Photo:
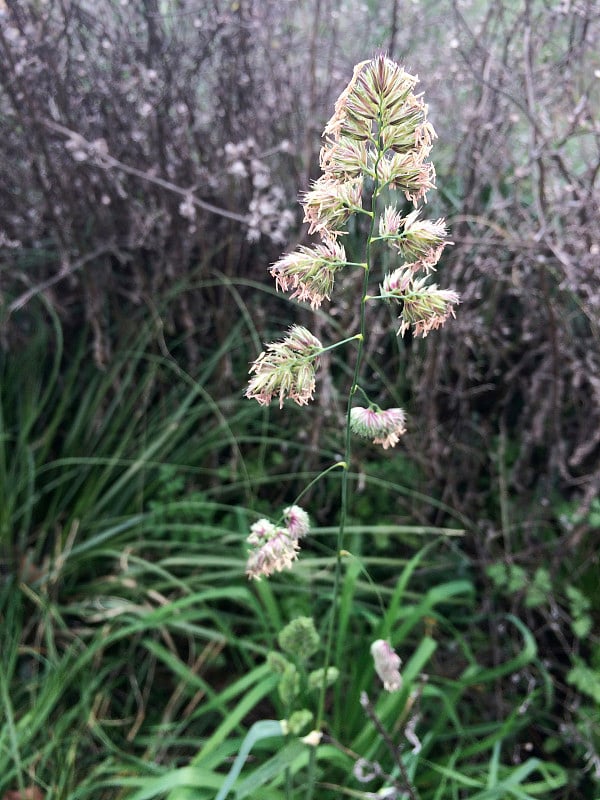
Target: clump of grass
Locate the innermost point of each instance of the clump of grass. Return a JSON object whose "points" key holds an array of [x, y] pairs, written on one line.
{"points": [[120, 551], [378, 139]]}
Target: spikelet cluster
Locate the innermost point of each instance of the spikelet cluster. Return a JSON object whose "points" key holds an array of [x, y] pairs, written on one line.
{"points": [[379, 138], [387, 665], [286, 369], [276, 547]]}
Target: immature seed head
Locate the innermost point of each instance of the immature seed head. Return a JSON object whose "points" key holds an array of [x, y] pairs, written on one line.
{"points": [[310, 271], [286, 369], [387, 665], [382, 427]]}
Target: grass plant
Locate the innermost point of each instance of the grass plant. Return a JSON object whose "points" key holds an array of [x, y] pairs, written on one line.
{"points": [[139, 662], [134, 649], [378, 139]]}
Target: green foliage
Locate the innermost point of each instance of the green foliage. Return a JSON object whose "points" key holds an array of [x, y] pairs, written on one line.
{"points": [[514, 578], [586, 679], [131, 634], [579, 606], [300, 639]]}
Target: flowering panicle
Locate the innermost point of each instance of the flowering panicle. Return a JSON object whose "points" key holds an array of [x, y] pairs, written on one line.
{"points": [[382, 427], [346, 159], [286, 369], [276, 548], [329, 204], [424, 307], [421, 242], [387, 665], [406, 172], [379, 120], [310, 271], [379, 138]]}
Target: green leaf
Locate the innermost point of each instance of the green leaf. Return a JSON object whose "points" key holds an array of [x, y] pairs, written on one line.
{"points": [[582, 626], [265, 729], [271, 769], [585, 679], [539, 590]]}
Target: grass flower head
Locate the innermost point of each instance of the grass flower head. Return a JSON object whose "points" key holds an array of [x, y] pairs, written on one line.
{"points": [[420, 242], [276, 548], [387, 665], [330, 203], [286, 369], [425, 307], [276, 554], [382, 427], [310, 271]]}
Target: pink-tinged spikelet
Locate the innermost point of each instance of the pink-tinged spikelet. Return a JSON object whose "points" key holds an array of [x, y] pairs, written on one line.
{"points": [[276, 548], [286, 369], [387, 665], [382, 427], [275, 555], [310, 271], [296, 521]]}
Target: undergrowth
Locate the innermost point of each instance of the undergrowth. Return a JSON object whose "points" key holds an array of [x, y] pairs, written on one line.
{"points": [[136, 659]]}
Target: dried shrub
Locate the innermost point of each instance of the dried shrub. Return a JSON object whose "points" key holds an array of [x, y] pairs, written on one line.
{"points": [[516, 380], [138, 144], [144, 148]]}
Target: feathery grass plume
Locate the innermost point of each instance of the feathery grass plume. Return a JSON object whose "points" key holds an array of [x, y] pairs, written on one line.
{"points": [[420, 242], [299, 639], [286, 369], [424, 307], [310, 271], [387, 665], [382, 427], [276, 548], [330, 203]]}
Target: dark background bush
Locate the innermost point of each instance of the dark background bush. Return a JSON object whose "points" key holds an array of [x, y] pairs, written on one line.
{"points": [[151, 156], [149, 146]]}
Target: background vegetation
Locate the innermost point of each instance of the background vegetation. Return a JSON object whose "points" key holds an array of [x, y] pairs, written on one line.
{"points": [[152, 153]]}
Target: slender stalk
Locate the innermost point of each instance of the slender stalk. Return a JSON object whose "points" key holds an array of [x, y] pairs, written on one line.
{"points": [[340, 343], [360, 337], [394, 751], [337, 465], [377, 122]]}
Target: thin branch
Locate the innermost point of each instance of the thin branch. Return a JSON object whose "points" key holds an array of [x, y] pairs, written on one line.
{"points": [[106, 161], [24, 298], [394, 751]]}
